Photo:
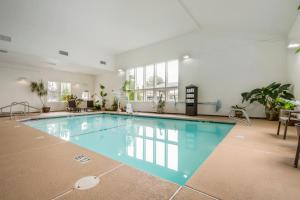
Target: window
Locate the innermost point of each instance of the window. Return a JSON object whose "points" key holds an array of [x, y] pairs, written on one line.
{"points": [[149, 76], [160, 75], [148, 82], [139, 78], [65, 89], [53, 92], [57, 90], [130, 78], [173, 73], [85, 95]]}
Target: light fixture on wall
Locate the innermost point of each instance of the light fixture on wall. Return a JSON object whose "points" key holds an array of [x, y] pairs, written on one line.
{"points": [[186, 57], [121, 71], [293, 45], [22, 80]]}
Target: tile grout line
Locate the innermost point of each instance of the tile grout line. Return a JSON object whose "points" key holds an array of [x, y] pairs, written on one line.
{"points": [[111, 170], [172, 197], [101, 175], [63, 193], [203, 193]]}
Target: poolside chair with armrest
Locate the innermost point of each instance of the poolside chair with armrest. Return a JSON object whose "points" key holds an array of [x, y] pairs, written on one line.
{"points": [[287, 117], [298, 146], [90, 105], [72, 107]]}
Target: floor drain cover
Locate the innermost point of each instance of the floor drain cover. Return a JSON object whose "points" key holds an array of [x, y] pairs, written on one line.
{"points": [[87, 182]]}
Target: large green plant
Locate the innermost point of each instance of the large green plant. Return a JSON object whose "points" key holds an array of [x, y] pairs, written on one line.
{"points": [[267, 96], [103, 94], [41, 91], [68, 97], [161, 104]]}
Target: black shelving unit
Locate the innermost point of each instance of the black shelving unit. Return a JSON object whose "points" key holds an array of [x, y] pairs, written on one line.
{"points": [[191, 100]]}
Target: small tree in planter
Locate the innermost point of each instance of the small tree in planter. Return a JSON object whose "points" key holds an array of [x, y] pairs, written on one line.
{"points": [[267, 97], [161, 104], [102, 94], [42, 92]]}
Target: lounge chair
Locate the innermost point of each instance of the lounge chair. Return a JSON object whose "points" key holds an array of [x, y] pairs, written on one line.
{"points": [[89, 105], [287, 117], [298, 146], [72, 107]]}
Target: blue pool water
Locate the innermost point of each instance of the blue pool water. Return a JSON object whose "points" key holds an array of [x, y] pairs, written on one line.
{"points": [[168, 148]]}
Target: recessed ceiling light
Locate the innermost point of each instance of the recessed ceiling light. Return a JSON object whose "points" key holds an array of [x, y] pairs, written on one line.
{"points": [[3, 51], [293, 45], [120, 70]]}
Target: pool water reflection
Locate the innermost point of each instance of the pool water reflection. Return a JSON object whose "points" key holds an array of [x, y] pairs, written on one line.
{"points": [[170, 149]]}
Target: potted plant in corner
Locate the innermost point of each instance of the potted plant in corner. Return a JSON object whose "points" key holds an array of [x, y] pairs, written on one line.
{"points": [[267, 96], [42, 92], [102, 94], [161, 104]]}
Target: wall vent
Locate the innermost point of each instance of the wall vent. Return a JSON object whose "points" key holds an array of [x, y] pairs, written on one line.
{"points": [[5, 38], [102, 62], [3, 51], [64, 53]]}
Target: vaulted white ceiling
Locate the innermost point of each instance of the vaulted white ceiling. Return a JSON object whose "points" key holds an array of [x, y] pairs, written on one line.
{"points": [[94, 30]]}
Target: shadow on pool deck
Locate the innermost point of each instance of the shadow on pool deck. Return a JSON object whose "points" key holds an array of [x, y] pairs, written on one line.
{"points": [[250, 163]]}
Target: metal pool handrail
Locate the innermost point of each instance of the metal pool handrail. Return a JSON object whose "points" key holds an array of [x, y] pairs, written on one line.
{"points": [[24, 103]]}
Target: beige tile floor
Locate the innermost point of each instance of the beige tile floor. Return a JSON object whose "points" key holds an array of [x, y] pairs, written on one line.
{"points": [[250, 163]]}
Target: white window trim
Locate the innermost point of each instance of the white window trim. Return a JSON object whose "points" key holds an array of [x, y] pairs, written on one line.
{"points": [[154, 89]]}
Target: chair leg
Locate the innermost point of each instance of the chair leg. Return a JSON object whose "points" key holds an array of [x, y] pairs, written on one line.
{"points": [[285, 130], [278, 130], [297, 154]]}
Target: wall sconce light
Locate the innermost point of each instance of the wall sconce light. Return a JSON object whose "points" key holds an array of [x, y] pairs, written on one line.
{"points": [[186, 57], [121, 72], [293, 45], [22, 80]]}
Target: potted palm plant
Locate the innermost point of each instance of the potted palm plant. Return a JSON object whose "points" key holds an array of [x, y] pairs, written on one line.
{"points": [[267, 96], [161, 104], [42, 92]]}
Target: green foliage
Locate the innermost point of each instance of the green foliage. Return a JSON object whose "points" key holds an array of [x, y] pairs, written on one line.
{"points": [[69, 97], [161, 104], [97, 105], [114, 105], [41, 91], [285, 104], [267, 95], [128, 87], [103, 94]]}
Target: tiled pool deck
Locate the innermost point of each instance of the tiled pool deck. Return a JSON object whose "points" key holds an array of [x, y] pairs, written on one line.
{"points": [[252, 162]]}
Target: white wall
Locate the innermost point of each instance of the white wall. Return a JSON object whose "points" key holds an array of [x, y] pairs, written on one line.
{"points": [[223, 65], [12, 91], [294, 59], [294, 72]]}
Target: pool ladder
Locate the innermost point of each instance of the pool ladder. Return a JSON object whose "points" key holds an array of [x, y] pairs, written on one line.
{"points": [[26, 110]]}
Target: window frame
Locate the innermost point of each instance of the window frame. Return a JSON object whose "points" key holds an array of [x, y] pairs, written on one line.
{"points": [[58, 90], [154, 88]]}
